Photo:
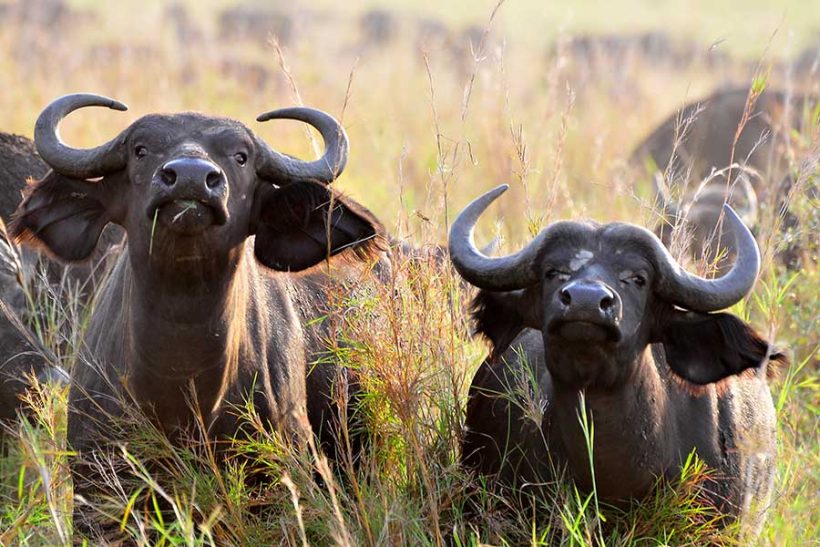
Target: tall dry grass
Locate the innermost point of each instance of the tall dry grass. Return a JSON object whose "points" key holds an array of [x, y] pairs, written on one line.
{"points": [[429, 131]]}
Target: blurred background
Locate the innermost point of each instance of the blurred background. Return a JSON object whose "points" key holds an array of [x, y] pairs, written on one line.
{"points": [[441, 99]]}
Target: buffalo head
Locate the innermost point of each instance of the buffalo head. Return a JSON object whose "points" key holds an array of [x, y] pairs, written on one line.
{"points": [[600, 294], [189, 189]]}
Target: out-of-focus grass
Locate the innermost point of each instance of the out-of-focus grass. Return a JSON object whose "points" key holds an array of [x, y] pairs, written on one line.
{"points": [[740, 27], [427, 135]]}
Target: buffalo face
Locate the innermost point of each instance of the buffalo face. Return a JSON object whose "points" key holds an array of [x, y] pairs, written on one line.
{"points": [[593, 304], [189, 189], [600, 294]]}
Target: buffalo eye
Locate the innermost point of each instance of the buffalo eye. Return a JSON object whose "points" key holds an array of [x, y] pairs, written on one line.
{"points": [[140, 151], [241, 158], [639, 280], [553, 273]]}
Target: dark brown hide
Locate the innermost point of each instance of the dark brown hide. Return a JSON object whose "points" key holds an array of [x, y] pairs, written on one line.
{"points": [[706, 132], [659, 381], [20, 356], [696, 222], [19, 162], [203, 305]]}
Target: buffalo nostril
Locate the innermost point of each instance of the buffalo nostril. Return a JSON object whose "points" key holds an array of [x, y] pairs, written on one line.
{"points": [[607, 303], [566, 298], [214, 179], [168, 176]]}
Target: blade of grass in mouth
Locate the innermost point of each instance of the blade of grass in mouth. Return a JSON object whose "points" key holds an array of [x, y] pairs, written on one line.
{"points": [[153, 227], [188, 206]]}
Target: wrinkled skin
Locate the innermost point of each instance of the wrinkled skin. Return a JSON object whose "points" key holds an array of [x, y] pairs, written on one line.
{"points": [[707, 143], [201, 296], [659, 381]]}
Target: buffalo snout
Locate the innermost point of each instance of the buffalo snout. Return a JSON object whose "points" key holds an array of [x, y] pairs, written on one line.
{"points": [[589, 296], [190, 195], [195, 173], [591, 305]]}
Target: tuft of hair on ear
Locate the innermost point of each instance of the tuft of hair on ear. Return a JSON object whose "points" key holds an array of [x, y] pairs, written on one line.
{"points": [[745, 345], [496, 319], [20, 233], [312, 211], [61, 216], [778, 359], [365, 249], [705, 349]]}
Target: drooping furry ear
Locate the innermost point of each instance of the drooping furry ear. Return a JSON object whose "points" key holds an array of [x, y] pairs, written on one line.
{"points": [[64, 215], [301, 224], [704, 348], [501, 316]]}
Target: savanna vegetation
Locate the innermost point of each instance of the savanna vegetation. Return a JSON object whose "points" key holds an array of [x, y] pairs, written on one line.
{"points": [[487, 94]]}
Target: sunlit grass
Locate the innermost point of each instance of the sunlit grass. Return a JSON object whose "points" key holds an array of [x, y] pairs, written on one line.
{"points": [[427, 135]]}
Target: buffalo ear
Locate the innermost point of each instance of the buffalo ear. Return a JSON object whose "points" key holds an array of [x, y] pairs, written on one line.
{"points": [[501, 316], [65, 215], [704, 348], [300, 224]]}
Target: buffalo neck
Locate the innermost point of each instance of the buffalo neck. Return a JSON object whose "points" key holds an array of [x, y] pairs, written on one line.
{"points": [[186, 326], [632, 431]]}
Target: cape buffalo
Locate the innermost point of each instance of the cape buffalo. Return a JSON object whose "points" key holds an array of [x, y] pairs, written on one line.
{"points": [[699, 215], [605, 310], [378, 27], [689, 145], [203, 304]]}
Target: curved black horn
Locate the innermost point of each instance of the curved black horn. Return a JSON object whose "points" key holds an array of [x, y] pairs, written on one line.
{"points": [[673, 282], [504, 273], [326, 169], [74, 162], [696, 293]]}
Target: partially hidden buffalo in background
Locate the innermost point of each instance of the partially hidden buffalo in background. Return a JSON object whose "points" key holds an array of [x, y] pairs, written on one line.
{"points": [[201, 305], [732, 144], [604, 310], [21, 356], [19, 163]]}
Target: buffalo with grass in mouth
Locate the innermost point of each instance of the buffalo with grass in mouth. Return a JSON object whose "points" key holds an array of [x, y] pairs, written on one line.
{"points": [[200, 316], [188, 216]]}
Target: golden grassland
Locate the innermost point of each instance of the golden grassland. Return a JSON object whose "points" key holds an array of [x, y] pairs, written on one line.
{"points": [[429, 131]]}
